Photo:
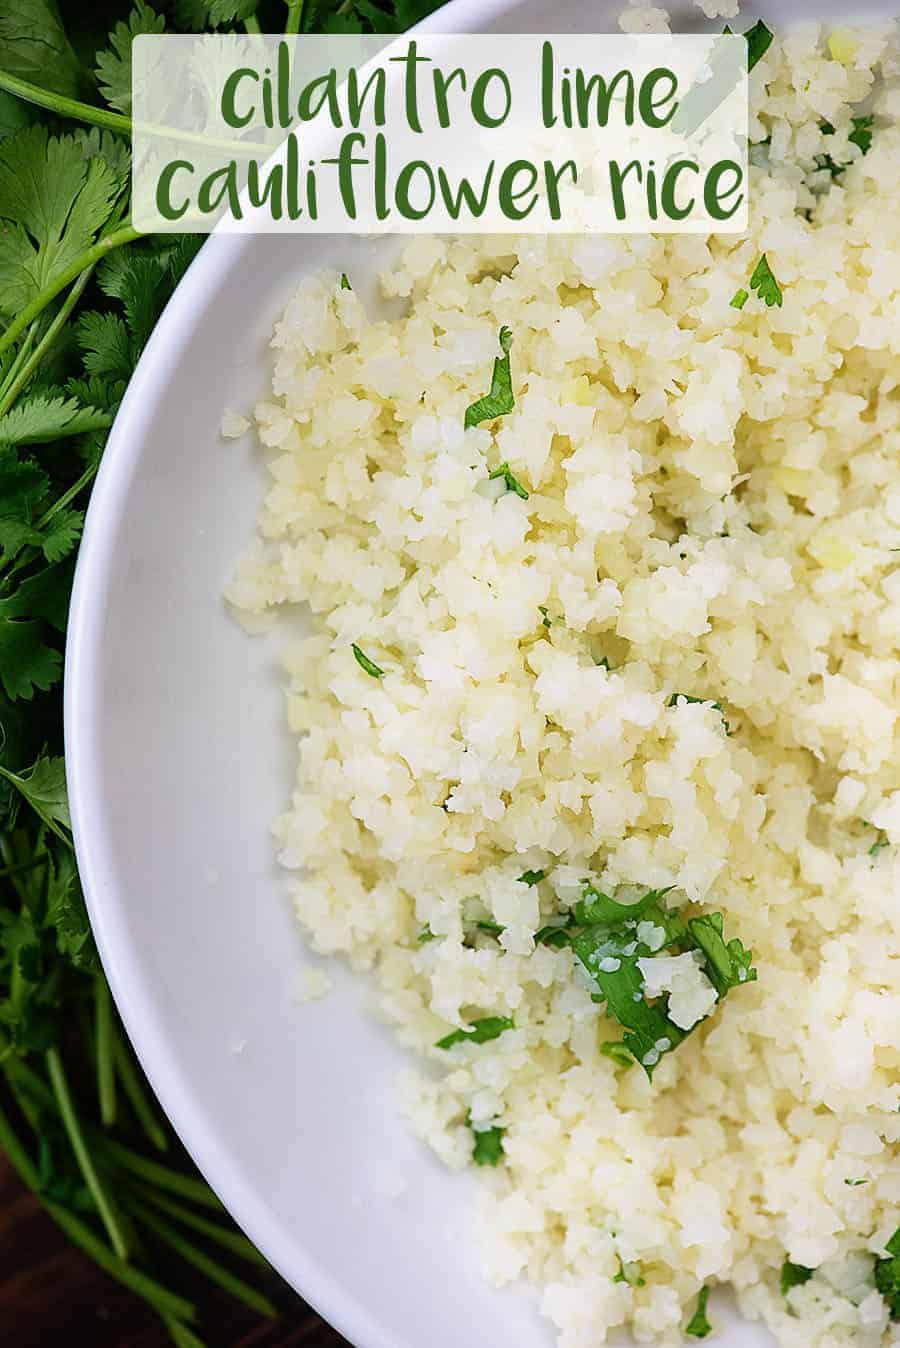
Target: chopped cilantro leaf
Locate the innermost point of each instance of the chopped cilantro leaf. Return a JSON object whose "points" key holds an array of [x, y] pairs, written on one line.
{"points": [[739, 298], [887, 1275], [615, 1049], [370, 667], [493, 928], [488, 1148], [345, 284], [698, 1326], [861, 135], [555, 934], [500, 399], [764, 283], [512, 482], [855, 1183], [479, 1032], [759, 39], [426, 935], [727, 966], [595, 908], [542, 608], [880, 843], [531, 877], [793, 1275]]}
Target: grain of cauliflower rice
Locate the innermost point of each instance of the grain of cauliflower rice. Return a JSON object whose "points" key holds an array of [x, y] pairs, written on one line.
{"points": [[708, 504]]}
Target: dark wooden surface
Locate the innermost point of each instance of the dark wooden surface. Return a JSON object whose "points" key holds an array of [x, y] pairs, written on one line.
{"points": [[51, 1296]]}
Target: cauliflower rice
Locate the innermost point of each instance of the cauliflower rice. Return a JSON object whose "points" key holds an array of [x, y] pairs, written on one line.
{"points": [[714, 509]]}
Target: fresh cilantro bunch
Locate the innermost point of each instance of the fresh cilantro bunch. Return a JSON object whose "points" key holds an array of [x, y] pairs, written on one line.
{"points": [[80, 293]]}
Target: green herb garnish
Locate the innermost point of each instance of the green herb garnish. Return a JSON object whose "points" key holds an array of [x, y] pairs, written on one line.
{"points": [[492, 928], [545, 620], [855, 1183], [629, 1273], [512, 482], [698, 1326], [426, 935], [616, 1050], [764, 283], [606, 941], [488, 1144], [531, 877], [500, 400], [479, 1032], [793, 1275], [374, 671], [739, 298], [345, 284], [887, 1275]]}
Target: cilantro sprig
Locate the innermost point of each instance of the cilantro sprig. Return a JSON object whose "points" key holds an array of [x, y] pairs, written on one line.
{"points": [[479, 1032], [764, 283]]}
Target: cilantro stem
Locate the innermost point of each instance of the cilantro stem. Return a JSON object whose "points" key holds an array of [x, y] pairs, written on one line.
{"points": [[103, 1046], [294, 18], [65, 107], [251, 23], [127, 234], [18, 361], [82, 1155], [211, 1268], [233, 1241], [24, 374], [195, 1190], [134, 1093], [81, 1234], [181, 1336], [69, 495]]}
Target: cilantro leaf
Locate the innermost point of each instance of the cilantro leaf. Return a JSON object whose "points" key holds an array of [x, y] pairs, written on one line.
{"points": [[34, 46], [698, 1326], [629, 1273], [23, 486], [500, 399], [794, 1275], [764, 283], [727, 966], [55, 201], [739, 298], [887, 1275], [42, 595], [44, 788], [374, 671], [611, 960], [861, 135], [759, 40], [59, 536], [106, 345], [488, 1145], [345, 284], [40, 418], [479, 1032], [595, 908], [26, 662], [67, 915], [426, 935], [114, 64], [512, 482], [531, 877]]}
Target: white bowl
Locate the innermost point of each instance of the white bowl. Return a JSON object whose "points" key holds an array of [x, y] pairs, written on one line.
{"points": [[177, 762]]}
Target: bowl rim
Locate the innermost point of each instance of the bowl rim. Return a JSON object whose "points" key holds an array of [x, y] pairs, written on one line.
{"points": [[82, 714]]}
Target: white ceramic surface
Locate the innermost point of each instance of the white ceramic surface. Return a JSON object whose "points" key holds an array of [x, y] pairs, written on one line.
{"points": [[177, 761]]}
